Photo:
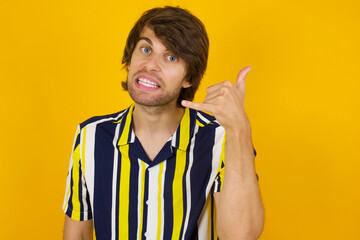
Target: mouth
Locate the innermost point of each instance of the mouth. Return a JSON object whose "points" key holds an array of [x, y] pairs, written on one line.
{"points": [[147, 83]]}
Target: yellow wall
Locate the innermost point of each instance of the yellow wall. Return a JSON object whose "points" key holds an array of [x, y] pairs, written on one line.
{"points": [[60, 63]]}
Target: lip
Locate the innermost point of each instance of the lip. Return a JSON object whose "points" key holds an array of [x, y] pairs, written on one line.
{"points": [[148, 77], [144, 87]]}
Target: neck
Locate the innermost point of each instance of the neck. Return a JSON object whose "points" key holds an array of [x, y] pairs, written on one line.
{"points": [[155, 121]]}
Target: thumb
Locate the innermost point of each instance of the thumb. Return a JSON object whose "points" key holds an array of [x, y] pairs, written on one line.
{"points": [[240, 83]]}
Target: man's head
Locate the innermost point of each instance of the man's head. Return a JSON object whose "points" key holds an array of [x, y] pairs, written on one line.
{"points": [[182, 34]]}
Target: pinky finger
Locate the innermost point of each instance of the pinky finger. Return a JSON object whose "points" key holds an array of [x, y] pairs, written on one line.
{"points": [[194, 105]]}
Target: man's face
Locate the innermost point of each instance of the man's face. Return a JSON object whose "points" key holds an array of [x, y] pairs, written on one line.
{"points": [[155, 75]]}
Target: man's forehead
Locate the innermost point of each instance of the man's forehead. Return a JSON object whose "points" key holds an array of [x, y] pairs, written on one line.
{"points": [[148, 35], [148, 32]]}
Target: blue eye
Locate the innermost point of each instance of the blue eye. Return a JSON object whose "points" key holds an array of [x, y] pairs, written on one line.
{"points": [[171, 58], [145, 50]]}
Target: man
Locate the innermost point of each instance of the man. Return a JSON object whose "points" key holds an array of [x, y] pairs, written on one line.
{"points": [[157, 169]]}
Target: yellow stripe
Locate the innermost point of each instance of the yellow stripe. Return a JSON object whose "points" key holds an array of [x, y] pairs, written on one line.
{"points": [[199, 123], [124, 179], [75, 193], [124, 192], [68, 190], [159, 200], [125, 133], [143, 169], [208, 209], [214, 220], [178, 207], [222, 159]]}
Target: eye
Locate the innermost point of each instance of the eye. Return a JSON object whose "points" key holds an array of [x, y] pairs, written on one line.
{"points": [[171, 58], [145, 50]]}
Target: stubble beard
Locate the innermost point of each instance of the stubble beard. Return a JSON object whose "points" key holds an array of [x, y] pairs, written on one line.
{"points": [[156, 104]]}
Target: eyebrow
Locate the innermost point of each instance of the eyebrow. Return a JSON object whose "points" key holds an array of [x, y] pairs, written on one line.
{"points": [[146, 39]]}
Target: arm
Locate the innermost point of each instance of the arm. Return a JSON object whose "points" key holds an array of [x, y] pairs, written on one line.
{"points": [[77, 230], [239, 208]]}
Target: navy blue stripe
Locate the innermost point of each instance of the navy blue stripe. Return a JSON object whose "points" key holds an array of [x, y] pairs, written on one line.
{"points": [[80, 194], [70, 206], [200, 174], [133, 197], [77, 141], [184, 194], [168, 197], [104, 158], [145, 206], [212, 218], [89, 205], [97, 118], [201, 120], [195, 234], [208, 117], [117, 196]]}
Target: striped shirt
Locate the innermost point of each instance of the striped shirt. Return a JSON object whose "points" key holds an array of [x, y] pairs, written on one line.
{"points": [[112, 181]]}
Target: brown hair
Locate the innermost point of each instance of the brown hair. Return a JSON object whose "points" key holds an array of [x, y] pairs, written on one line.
{"points": [[183, 34]]}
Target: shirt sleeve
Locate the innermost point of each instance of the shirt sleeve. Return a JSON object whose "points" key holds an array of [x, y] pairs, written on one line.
{"points": [[77, 201], [217, 186]]}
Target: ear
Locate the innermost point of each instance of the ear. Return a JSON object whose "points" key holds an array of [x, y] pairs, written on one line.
{"points": [[186, 84]]}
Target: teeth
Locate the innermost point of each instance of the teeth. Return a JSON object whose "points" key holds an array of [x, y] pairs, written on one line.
{"points": [[147, 83]]}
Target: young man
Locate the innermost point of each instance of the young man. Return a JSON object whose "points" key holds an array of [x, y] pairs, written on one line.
{"points": [[157, 169]]}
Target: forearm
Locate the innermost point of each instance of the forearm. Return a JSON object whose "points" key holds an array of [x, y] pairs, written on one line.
{"points": [[240, 210], [77, 230]]}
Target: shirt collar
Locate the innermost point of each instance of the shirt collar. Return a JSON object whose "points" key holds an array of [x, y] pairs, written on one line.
{"points": [[180, 139]]}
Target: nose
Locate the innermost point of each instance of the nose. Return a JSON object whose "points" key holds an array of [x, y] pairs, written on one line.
{"points": [[153, 63]]}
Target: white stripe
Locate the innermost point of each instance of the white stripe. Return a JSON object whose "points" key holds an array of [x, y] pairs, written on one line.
{"points": [[217, 149], [132, 139], [89, 159], [152, 202], [90, 153], [83, 189], [83, 193], [188, 184], [216, 185], [68, 178], [162, 201], [139, 198], [173, 140], [203, 222], [202, 117], [114, 181]]}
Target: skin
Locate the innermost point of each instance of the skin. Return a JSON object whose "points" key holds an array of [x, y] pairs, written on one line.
{"points": [[156, 117], [77, 230], [240, 213]]}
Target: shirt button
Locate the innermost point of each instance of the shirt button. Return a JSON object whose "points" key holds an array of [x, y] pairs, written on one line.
{"points": [[147, 202], [146, 234]]}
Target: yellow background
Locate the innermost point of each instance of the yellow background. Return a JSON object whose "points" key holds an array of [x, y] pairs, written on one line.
{"points": [[60, 63]]}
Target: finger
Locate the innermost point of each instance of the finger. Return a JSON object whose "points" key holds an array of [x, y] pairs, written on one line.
{"points": [[218, 86], [197, 106], [240, 83], [213, 94]]}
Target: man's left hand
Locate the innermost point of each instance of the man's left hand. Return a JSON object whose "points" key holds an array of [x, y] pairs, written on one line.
{"points": [[226, 102]]}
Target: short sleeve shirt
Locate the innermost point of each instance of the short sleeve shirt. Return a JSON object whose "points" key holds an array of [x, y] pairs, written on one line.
{"points": [[112, 181]]}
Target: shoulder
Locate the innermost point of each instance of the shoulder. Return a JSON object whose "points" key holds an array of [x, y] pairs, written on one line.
{"points": [[207, 124], [206, 120], [103, 119]]}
